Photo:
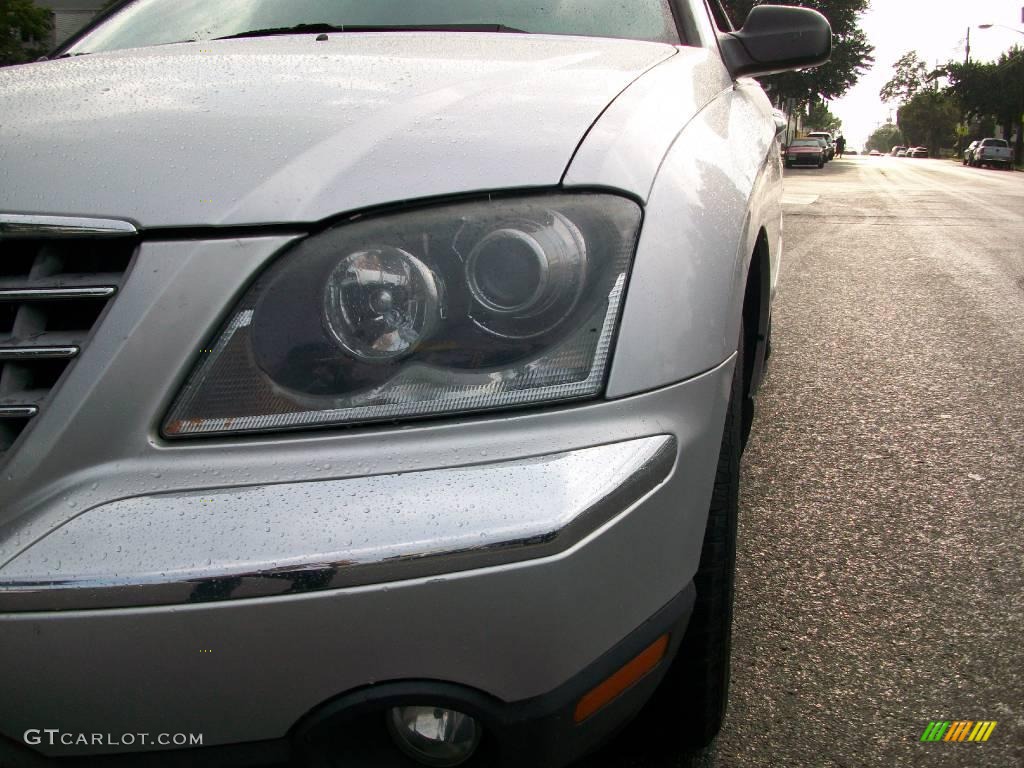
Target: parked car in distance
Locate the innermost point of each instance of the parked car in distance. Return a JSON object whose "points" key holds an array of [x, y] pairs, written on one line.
{"points": [[968, 157], [806, 152], [898, 151], [875, 153], [850, 152], [993, 153], [830, 145], [343, 346], [917, 152]]}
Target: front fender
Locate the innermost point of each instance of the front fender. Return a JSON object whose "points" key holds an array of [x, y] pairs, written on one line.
{"points": [[719, 185]]}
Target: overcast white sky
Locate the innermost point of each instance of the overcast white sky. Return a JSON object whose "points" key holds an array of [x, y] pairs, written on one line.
{"points": [[936, 29]]}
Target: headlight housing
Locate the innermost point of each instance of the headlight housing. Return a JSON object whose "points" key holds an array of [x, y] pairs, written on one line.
{"points": [[462, 307]]}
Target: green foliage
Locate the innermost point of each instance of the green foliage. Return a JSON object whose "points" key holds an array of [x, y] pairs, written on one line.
{"points": [[992, 93], [851, 52], [1010, 82], [24, 31], [885, 138], [821, 119], [930, 118], [975, 87], [910, 78], [979, 97]]}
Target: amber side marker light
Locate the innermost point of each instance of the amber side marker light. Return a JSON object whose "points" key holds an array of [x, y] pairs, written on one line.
{"points": [[617, 684]]}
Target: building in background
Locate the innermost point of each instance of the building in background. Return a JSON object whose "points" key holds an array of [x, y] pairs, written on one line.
{"points": [[69, 16]]}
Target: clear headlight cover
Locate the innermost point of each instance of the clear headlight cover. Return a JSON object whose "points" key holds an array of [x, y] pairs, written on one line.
{"points": [[464, 307]]}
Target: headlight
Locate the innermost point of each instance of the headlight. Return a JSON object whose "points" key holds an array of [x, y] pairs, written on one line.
{"points": [[458, 308], [381, 303]]}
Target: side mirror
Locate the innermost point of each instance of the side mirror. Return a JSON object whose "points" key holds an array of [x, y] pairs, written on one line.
{"points": [[781, 121], [777, 38]]}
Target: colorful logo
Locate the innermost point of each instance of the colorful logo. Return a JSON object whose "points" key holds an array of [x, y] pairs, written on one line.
{"points": [[958, 730]]}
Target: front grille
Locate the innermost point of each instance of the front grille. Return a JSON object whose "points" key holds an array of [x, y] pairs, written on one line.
{"points": [[52, 292]]}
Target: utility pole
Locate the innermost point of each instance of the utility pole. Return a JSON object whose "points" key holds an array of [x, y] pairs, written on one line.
{"points": [[967, 61]]}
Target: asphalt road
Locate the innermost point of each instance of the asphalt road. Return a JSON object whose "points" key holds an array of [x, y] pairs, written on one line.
{"points": [[881, 553]]}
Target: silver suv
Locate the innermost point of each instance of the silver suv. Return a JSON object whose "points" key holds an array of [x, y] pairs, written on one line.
{"points": [[381, 365]]}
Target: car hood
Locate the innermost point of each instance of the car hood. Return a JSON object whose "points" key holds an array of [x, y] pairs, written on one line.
{"points": [[291, 129]]}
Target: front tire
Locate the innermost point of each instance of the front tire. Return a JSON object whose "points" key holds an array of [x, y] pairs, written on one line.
{"points": [[690, 704]]}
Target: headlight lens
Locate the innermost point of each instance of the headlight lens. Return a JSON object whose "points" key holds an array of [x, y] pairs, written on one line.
{"points": [[381, 303], [456, 308]]}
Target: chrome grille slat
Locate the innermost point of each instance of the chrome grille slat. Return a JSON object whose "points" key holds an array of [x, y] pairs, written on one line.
{"points": [[56, 277], [37, 353], [69, 280], [18, 411], [45, 294], [30, 226]]}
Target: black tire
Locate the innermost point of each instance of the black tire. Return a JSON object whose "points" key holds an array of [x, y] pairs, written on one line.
{"points": [[821, 164], [690, 704]]}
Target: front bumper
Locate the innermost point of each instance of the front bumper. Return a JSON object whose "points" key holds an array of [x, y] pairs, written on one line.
{"points": [[294, 538], [599, 560], [804, 159], [349, 730]]}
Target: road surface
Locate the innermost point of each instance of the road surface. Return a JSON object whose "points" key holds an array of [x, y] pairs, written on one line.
{"points": [[881, 554]]}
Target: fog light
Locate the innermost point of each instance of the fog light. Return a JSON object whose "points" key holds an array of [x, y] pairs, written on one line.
{"points": [[433, 735]]}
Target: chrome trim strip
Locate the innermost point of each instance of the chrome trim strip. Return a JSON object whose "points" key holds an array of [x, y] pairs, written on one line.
{"points": [[23, 225], [43, 294], [18, 411], [37, 353], [547, 504]]}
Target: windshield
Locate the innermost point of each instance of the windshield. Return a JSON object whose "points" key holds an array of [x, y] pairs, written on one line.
{"points": [[806, 143], [994, 143], [156, 22]]}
